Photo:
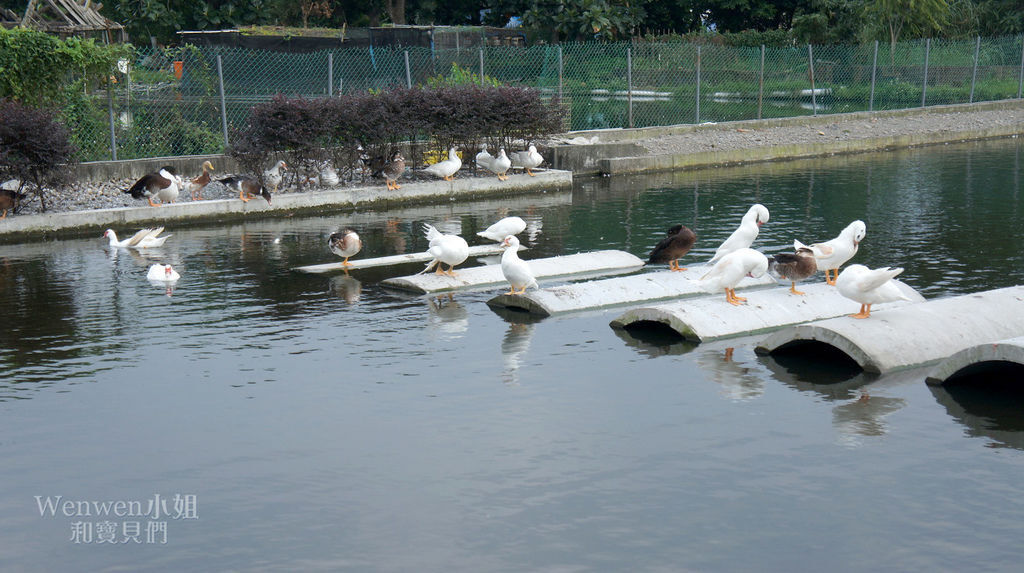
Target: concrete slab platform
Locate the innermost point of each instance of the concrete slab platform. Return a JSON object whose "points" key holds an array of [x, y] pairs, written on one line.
{"points": [[579, 265], [83, 222], [913, 335], [978, 358], [632, 290], [711, 317], [474, 251]]}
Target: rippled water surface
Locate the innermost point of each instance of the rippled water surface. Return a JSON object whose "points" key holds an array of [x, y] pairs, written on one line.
{"points": [[324, 422]]}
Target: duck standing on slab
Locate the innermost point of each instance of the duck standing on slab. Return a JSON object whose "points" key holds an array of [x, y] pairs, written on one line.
{"points": [[450, 249], [869, 286], [733, 268], [793, 267], [9, 200], [345, 244], [831, 255], [745, 234], [195, 187], [527, 160], [497, 165], [674, 246], [247, 187], [445, 169], [503, 228], [162, 184], [391, 171], [516, 271], [273, 176], [142, 239]]}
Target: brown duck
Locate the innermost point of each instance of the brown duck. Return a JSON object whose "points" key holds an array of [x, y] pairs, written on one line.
{"points": [[247, 187], [9, 200], [673, 247], [793, 266], [392, 170]]}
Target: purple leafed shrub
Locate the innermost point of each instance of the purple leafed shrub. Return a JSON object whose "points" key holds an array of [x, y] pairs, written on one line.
{"points": [[34, 148]]}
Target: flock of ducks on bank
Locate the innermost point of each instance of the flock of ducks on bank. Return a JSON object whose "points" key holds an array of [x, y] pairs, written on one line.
{"points": [[733, 260], [166, 185]]}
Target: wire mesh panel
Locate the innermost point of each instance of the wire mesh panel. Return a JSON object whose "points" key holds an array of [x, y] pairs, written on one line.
{"points": [[664, 84], [730, 82], [899, 79], [999, 68], [594, 84]]}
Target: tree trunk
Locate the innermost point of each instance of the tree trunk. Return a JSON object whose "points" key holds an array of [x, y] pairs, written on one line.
{"points": [[396, 10]]}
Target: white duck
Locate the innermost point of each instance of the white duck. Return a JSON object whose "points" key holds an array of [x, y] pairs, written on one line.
{"points": [[517, 271], [345, 244], [743, 236], [831, 255], [869, 286], [497, 165], [445, 169], [527, 160], [143, 239], [272, 177], [329, 176], [503, 228], [162, 273], [450, 249], [733, 268]]}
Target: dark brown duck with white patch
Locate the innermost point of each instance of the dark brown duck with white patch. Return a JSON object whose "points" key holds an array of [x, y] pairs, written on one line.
{"points": [[793, 267]]}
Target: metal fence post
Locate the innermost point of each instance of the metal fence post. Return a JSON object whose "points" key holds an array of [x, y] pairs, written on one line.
{"points": [[629, 84], [1020, 83], [974, 74], [408, 72], [698, 85], [810, 62], [874, 69], [110, 113], [560, 72], [924, 85], [760, 85], [481, 65], [330, 74], [223, 103]]}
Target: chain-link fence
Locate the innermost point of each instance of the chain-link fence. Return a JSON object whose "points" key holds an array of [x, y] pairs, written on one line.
{"points": [[188, 100]]}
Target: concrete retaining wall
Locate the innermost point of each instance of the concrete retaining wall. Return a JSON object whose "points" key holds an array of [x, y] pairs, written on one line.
{"points": [[976, 357], [915, 335], [86, 222]]}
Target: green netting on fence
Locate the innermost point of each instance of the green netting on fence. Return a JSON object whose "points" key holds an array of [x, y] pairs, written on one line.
{"points": [[169, 102]]}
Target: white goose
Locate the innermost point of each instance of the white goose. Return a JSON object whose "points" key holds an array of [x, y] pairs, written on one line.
{"points": [[733, 268], [162, 273], [869, 286], [445, 169], [516, 271], [831, 255], [450, 249], [143, 239], [503, 228], [527, 160], [743, 236]]}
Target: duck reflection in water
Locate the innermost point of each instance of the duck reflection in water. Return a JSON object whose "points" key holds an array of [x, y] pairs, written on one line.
{"points": [[447, 317], [735, 379], [514, 346], [346, 287], [864, 417]]}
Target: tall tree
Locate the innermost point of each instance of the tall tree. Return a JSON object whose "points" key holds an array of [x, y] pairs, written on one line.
{"points": [[899, 18]]}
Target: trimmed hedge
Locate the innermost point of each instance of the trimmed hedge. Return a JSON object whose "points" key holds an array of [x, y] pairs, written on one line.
{"points": [[306, 133]]}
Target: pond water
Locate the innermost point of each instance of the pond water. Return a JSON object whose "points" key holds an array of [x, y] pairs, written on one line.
{"points": [[302, 422]]}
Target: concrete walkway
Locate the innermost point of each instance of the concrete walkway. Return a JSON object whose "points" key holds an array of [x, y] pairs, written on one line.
{"points": [[87, 222], [914, 335], [979, 358], [711, 317]]}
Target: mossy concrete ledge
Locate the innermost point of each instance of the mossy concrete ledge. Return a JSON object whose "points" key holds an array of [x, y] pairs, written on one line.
{"points": [[914, 335], [1002, 355], [16, 227]]}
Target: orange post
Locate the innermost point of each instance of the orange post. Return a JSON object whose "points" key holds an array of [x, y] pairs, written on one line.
{"points": [[179, 67]]}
